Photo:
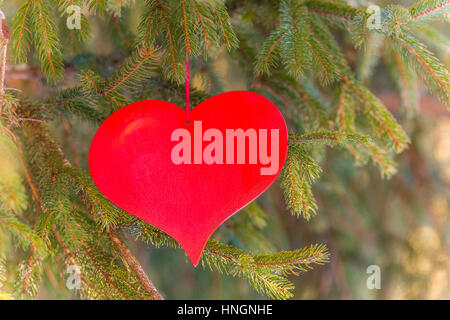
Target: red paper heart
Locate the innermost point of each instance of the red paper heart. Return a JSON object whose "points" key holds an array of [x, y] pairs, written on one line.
{"points": [[131, 164]]}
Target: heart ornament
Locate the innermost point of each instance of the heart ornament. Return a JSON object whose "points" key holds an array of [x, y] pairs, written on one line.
{"points": [[187, 178]]}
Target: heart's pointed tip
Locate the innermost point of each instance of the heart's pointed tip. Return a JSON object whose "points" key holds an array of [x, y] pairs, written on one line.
{"points": [[195, 264], [194, 250], [194, 257]]}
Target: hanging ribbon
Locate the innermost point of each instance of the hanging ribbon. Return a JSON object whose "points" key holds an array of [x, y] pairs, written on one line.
{"points": [[188, 106]]}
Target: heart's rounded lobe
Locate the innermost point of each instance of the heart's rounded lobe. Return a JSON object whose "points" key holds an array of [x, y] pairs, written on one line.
{"points": [[130, 162]]}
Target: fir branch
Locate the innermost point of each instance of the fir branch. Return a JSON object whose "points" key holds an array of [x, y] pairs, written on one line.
{"points": [[106, 276], [79, 232], [97, 5], [295, 51], [290, 262], [310, 98], [300, 99], [84, 99], [266, 59], [24, 234], [382, 118], [324, 63], [21, 34], [171, 41], [300, 44], [322, 33], [406, 82], [227, 33], [329, 137], [298, 173], [247, 226], [71, 259], [425, 9], [148, 22], [436, 75], [117, 242], [266, 273], [136, 69], [381, 159], [203, 24], [28, 272], [186, 32], [120, 281], [46, 40], [3, 277], [132, 262], [332, 9], [29, 275], [75, 101]]}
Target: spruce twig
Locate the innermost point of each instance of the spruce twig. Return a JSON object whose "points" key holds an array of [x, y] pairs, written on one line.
{"points": [[135, 266]]}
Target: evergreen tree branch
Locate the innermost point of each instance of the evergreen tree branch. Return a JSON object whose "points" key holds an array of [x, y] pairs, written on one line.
{"points": [[203, 24], [137, 68], [71, 258], [120, 246], [333, 9], [299, 172], [265, 272], [83, 243], [46, 40], [424, 8], [329, 137], [437, 75], [186, 33], [135, 266], [381, 116], [22, 31], [171, 41]]}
